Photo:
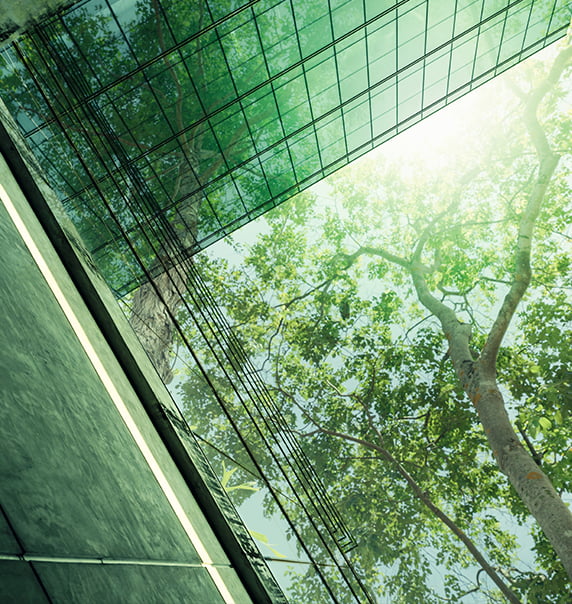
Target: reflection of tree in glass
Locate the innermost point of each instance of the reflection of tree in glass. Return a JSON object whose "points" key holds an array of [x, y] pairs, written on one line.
{"points": [[132, 92]]}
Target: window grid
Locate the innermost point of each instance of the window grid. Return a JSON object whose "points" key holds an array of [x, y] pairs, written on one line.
{"points": [[275, 128]]}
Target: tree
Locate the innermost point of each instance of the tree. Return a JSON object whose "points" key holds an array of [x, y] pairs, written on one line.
{"points": [[348, 317], [407, 404]]}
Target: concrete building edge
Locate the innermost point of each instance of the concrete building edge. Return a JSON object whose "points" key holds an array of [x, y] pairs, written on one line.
{"points": [[253, 571]]}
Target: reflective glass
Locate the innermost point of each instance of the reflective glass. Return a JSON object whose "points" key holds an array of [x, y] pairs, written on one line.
{"points": [[245, 101]]}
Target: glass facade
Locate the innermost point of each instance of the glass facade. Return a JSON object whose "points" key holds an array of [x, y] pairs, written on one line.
{"points": [[188, 119], [163, 125]]}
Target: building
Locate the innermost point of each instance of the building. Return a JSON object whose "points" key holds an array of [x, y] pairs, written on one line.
{"points": [[161, 127], [105, 494], [208, 114]]}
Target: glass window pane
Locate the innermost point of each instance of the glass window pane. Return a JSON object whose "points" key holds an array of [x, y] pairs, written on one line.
{"points": [[440, 23], [323, 84], [279, 41], [313, 24], [352, 68], [381, 49], [410, 33], [244, 56], [346, 15], [212, 161], [384, 108], [514, 32], [278, 169], [185, 18], [292, 100], [304, 152], [436, 76], [468, 13], [537, 25], [462, 59], [225, 200], [212, 80], [331, 141], [410, 92], [233, 137], [251, 183], [489, 39], [263, 119], [494, 6], [357, 123]]}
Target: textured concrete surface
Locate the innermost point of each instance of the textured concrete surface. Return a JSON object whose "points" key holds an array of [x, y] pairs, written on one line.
{"points": [[73, 481], [18, 585]]}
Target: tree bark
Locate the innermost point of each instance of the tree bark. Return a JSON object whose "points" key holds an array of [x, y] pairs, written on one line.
{"points": [[527, 478], [154, 305]]}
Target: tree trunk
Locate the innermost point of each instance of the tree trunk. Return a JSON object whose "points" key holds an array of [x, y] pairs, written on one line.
{"points": [[156, 303], [527, 478]]}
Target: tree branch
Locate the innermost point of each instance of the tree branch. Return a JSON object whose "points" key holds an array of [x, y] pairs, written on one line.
{"points": [[548, 162], [382, 253], [425, 499]]}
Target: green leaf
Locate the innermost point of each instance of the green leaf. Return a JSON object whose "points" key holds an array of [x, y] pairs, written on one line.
{"points": [[264, 540]]}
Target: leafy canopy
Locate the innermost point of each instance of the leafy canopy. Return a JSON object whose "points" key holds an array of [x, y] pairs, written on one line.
{"points": [[347, 349]]}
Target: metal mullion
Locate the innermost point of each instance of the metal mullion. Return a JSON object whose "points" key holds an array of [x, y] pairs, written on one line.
{"points": [[497, 61], [156, 178], [365, 32], [452, 44], [312, 118], [501, 39], [123, 35], [285, 137], [128, 129], [270, 415], [146, 272], [396, 74], [334, 42], [246, 121], [526, 28], [551, 17], [229, 170], [271, 408], [299, 63], [144, 268], [95, 75], [424, 68], [370, 90], [208, 117], [191, 79]]}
